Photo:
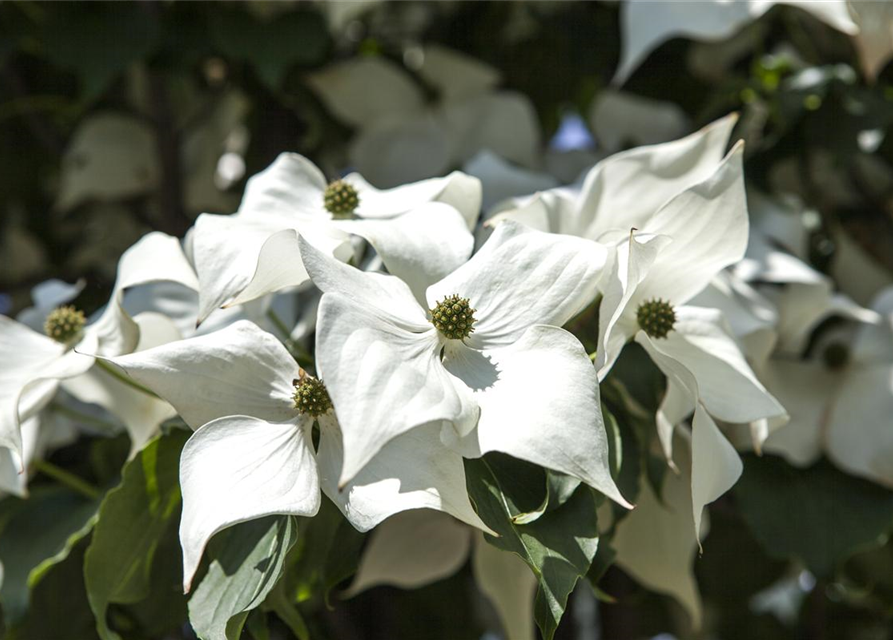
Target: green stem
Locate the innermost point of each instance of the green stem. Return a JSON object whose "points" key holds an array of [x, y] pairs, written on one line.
{"points": [[68, 479], [82, 417], [123, 378], [278, 323]]}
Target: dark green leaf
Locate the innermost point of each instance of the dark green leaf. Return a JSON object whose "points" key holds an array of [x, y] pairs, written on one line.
{"points": [[272, 47], [133, 520], [40, 533], [246, 561], [99, 41], [819, 515], [558, 547]]}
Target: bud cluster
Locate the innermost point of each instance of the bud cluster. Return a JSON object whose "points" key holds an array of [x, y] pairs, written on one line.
{"points": [[311, 396], [64, 324], [453, 317], [341, 199], [656, 317]]}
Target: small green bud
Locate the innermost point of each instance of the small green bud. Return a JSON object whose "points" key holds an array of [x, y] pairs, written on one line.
{"points": [[656, 317], [341, 199], [311, 396], [64, 324], [453, 317], [836, 356]]}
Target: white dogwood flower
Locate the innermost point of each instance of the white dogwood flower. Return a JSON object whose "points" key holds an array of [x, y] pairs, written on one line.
{"points": [[481, 357], [401, 136], [674, 215], [35, 364], [253, 252], [252, 454]]}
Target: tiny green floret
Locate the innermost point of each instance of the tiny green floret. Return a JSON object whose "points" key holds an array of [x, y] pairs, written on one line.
{"points": [[656, 317], [341, 199], [311, 396], [453, 317], [64, 324]]}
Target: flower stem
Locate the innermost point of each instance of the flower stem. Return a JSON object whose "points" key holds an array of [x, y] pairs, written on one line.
{"points": [[123, 378], [70, 480]]}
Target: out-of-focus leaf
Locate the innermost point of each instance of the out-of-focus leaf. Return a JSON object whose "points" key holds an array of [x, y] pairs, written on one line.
{"points": [[559, 546], [298, 37], [819, 515], [246, 562], [40, 534], [98, 41], [133, 519]]}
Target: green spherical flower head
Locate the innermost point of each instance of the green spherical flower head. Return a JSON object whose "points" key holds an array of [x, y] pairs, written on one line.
{"points": [[341, 199], [311, 397], [64, 324], [656, 317], [453, 317], [836, 356]]}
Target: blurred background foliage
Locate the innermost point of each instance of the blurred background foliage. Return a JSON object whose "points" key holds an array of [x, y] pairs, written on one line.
{"points": [[118, 118]]}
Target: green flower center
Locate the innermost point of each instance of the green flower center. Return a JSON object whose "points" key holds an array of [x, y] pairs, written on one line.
{"points": [[64, 324], [453, 317], [656, 317], [311, 396], [836, 356], [341, 199]]}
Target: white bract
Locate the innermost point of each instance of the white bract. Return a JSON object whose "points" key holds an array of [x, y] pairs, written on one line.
{"points": [[252, 453], [254, 252], [505, 381]]}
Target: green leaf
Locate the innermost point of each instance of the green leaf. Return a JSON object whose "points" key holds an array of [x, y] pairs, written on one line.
{"points": [[272, 47], [246, 561], [819, 515], [39, 534], [98, 41], [133, 520], [328, 551], [58, 608], [559, 546], [559, 489]]}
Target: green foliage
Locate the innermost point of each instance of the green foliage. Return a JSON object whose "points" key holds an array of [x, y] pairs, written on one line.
{"points": [[273, 45], [133, 520], [246, 561], [818, 515], [40, 533], [98, 42], [559, 546]]}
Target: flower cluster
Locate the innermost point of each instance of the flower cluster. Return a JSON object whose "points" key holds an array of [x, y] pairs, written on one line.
{"points": [[411, 352]]}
